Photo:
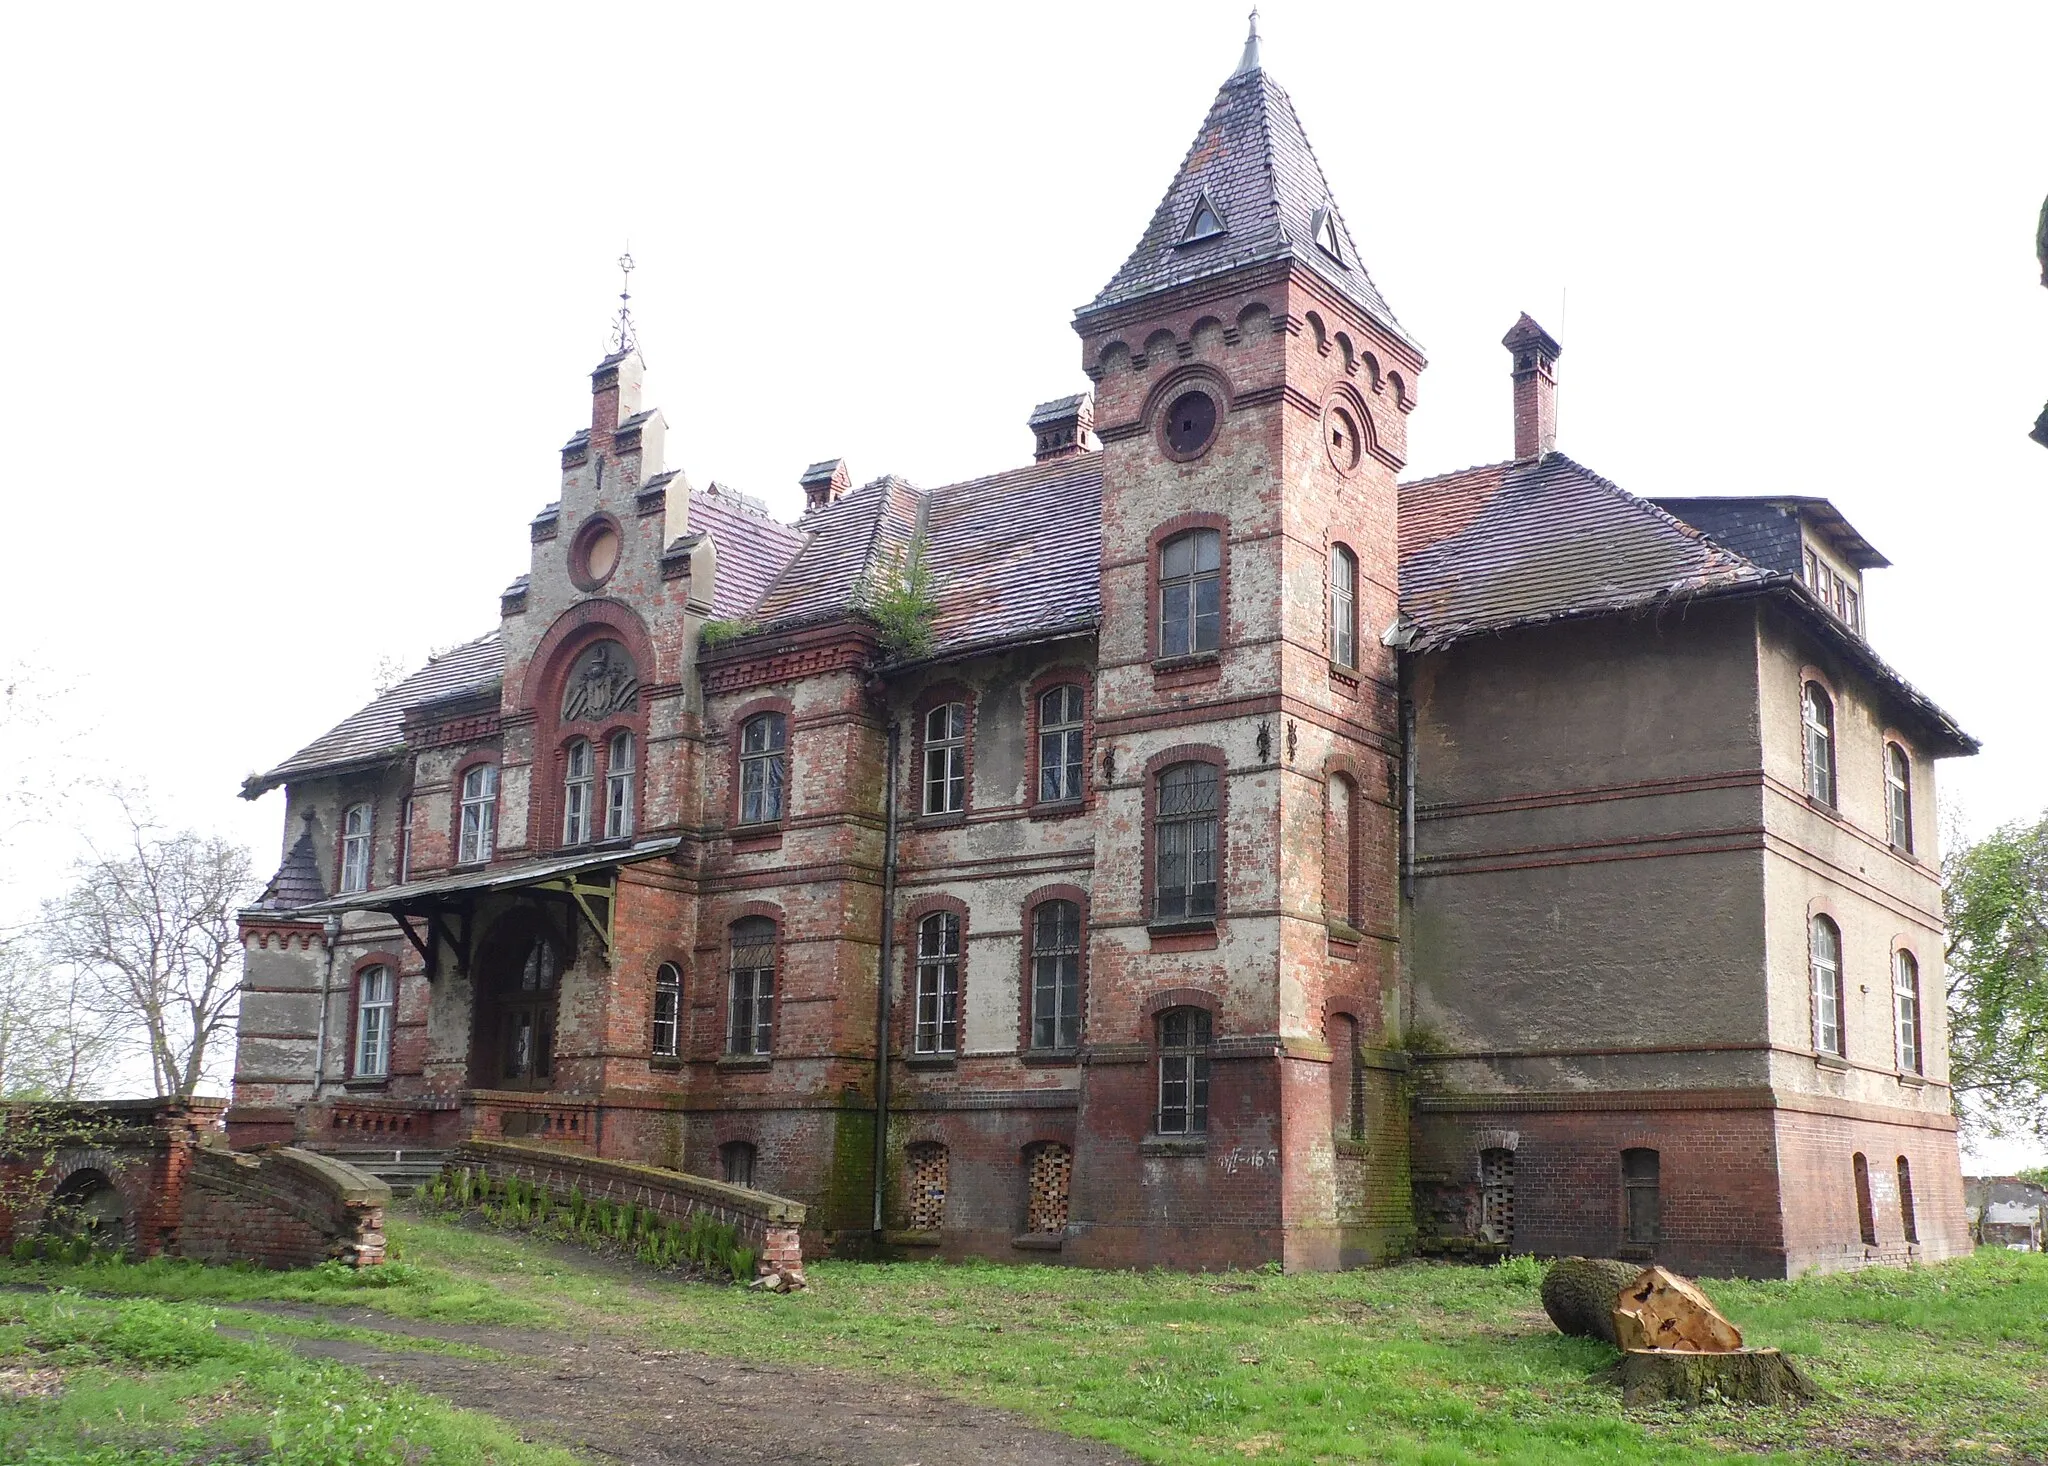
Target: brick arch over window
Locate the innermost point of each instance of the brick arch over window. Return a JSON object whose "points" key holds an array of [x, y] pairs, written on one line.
{"points": [[391, 962], [1194, 375], [472, 761], [1028, 959], [1166, 758], [720, 964], [1169, 529], [1159, 1002], [937, 695], [904, 1017], [1065, 675], [575, 632], [736, 725]]}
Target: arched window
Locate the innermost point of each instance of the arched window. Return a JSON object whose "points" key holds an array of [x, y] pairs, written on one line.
{"points": [[1191, 593], [1906, 1010], [736, 1162], [945, 759], [577, 776], [1048, 1184], [1184, 1037], [925, 1178], [479, 835], [1824, 958], [1908, 1222], [1184, 836], [750, 1026], [1340, 880], [1059, 744], [1347, 1079], [1866, 1214], [938, 984], [668, 1010], [376, 996], [1056, 975], [1343, 607], [1497, 1196], [1898, 797], [1819, 715], [764, 772], [1641, 1187], [355, 849], [618, 786]]}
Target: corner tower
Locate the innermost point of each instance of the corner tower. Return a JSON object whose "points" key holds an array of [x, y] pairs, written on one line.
{"points": [[1252, 389]]}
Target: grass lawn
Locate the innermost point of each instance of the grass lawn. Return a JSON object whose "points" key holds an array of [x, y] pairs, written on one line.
{"points": [[1410, 1364]]}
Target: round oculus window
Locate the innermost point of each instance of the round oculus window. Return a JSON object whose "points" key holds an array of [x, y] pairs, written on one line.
{"points": [[1340, 429], [596, 554], [1190, 424]]}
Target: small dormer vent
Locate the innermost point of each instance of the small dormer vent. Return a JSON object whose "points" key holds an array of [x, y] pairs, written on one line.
{"points": [[1327, 236], [1203, 223]]}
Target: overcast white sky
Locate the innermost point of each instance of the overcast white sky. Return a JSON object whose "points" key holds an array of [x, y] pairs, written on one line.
{"points": [[297, 303]]}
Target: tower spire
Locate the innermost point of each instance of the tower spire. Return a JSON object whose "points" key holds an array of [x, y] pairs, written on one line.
{"points": [[1250, 60], [622, 328]]}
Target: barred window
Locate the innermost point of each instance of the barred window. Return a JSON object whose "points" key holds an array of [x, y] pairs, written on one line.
{"points": [[1059, 744], [1191, 593], [668, 1011], [736, 1161], [1898, 797], [479, 835], [750, 1028], [1184, 1036], [1343, 607], [764, 770], [945, 759], [938, 984], [1906, 1010], [618, 786], [1824, 950], [1641, 1184], [576, 793], [1056, 975], [355, 849], [1820, 743], [376, 995], [1184, 835]]}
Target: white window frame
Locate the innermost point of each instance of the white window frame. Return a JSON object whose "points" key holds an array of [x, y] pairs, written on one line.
{"points": [[1181, 591], [478, 837], [1909, 1043], [358, 828], [764, 771], [579, 786], [619, 769], [1817, 720], [945, 759], [938, 984], [1343, 607], [1898, 797], [1062, 725], [668, 1011], [1825, 969], [376, 1007]]}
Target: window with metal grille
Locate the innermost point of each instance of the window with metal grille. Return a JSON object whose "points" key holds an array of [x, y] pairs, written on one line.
{"points": [[1906, 1010], [763, 768], [1866, 1214], [925, 1173], [1343, 607], [376, 995], [355, 849], [1819, 716], [1056, 975], [938, 984], [479, 815], [577, 776], [1191, 593], [1497, 1196], [1184, 837], [750, 1028], [1824, 958], [945, 759], [1908, 1222], [736, 1161], [1051, 1180], [668, 1008], [618, 786], [1898, 797], [1642, 1193], [1059, 744], [1184, 1036]]}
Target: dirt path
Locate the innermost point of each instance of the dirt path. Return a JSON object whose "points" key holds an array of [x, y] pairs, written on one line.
{"points": [[612, 1400]]}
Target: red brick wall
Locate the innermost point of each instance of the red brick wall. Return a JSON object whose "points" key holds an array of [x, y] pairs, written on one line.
{"points": [[282, 1209]]}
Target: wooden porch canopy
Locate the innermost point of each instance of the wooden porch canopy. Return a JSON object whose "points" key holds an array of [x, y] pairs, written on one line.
{"points": [[584, 884]]}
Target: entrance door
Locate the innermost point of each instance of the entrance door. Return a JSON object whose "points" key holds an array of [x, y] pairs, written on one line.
{"points": [[525, 1039]]}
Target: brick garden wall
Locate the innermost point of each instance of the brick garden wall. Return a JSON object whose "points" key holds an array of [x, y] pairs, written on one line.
{"points": [[281, 1209]]}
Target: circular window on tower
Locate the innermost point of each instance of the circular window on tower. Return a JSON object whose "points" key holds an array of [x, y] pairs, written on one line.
{"points": [[595, 554], [1341, 437], [1190, 425]]}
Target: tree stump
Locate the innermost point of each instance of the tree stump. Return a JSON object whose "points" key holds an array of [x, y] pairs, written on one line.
{"points": [[1660, 1310], [1580, 1295], [1742, 1376]]}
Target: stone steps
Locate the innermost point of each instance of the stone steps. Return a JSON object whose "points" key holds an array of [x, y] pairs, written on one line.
{"points": [[404, 1171]]}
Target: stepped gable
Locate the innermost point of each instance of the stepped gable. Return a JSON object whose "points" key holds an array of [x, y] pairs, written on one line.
{"points": [[753, 546], [378, 731]]}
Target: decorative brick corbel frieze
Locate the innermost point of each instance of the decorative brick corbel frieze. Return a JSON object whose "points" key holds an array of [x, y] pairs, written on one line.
{"points": [[281, 930], [755, 661]]}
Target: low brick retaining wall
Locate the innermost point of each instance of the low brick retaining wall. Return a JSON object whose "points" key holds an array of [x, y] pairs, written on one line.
{"points": [[281, 1209], [768, 1224]]}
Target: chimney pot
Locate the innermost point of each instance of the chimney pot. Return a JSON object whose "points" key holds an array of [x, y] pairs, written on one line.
{"points": [[1534, 352], [824, 483], [1064, 427]]}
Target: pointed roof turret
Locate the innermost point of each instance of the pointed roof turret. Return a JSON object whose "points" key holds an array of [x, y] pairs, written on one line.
{"points": [[1252, 170]]}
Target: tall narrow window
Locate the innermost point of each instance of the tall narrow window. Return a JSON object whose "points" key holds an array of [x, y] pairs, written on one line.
{"points": [[618, 786], [355, 849], [764, 772], [1908, 1222], [736, 1160], [1184, 1035], [668, 1011], [1641, 1187], [1347, 1079], [1497, 1196], [1343, 607], [1820, 743], [1866, 1213], [1906, 1010], [1898, 797], [938, 984], [1824, 954], [1056, 975], [750, 1025], [576, 793], [1191, 593], [405, 840], [375, 997], [1340, 883], [479, 815], [945, 759], [1184, 835], [1059, 744]]}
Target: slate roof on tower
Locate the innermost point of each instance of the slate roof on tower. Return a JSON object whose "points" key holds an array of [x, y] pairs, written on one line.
{"points": [[1253, 163]]}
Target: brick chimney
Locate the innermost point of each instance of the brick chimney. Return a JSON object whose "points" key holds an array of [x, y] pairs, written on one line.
{"points": [[1535, 352], [824, 483], [1064, 427]]}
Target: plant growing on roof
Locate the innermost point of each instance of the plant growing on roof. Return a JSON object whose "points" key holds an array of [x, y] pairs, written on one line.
{"points": [[900, 597], [720, 630]]}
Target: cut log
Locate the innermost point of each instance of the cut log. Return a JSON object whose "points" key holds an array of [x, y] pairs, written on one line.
{"points": [[1661, 1310], [1581, 1293], [1743, 1376]]}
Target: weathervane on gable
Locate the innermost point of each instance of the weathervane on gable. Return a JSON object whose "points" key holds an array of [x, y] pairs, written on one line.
{"points": [[622, 329]]}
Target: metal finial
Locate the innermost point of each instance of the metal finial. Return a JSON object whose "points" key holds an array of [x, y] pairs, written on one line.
{"points": [[622, 329], [1250, 60]]}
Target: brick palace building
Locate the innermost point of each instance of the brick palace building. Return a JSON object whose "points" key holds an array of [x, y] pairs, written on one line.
{"points": [[1240, 854]]}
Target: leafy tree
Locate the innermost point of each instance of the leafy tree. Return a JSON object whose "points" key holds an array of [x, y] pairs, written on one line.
{"points": [[54, 1041], [1995, 899]]}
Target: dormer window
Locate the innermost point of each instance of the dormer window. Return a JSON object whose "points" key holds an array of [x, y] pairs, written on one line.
{"points": [[1204, 223], [1327, 237]]}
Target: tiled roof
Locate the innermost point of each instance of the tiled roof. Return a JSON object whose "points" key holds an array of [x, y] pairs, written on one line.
{"points": [[1253, 162], [297, 882], [753, 547], [378, 731]]}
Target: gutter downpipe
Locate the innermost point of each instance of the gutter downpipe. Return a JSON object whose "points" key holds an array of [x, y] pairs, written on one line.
{"points": [[884, 994], [331, 930]]}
